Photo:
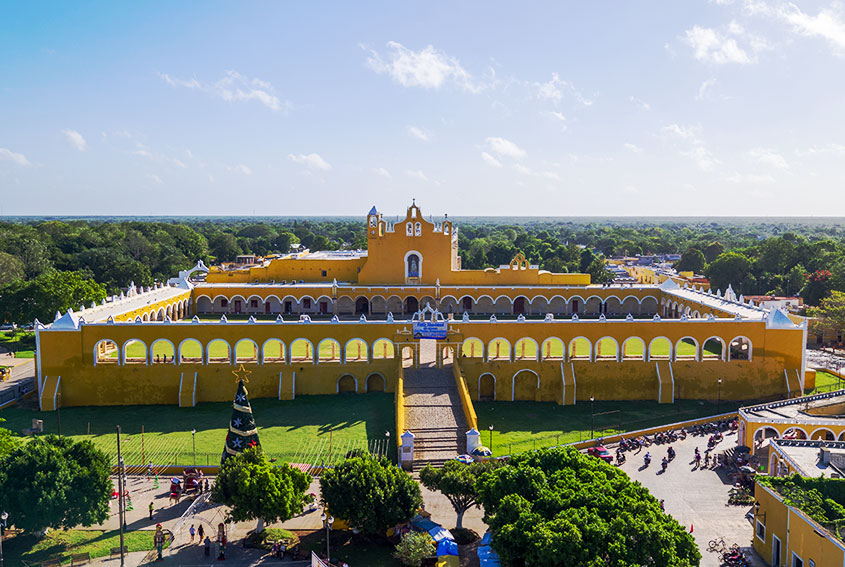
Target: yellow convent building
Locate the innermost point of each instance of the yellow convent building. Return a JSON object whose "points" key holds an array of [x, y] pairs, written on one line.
{"points": [[328, 322]]}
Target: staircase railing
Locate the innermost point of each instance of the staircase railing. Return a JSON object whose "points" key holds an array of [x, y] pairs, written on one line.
{"points": [[466, 401]]}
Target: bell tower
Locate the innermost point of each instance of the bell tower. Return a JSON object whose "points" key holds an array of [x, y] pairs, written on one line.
{"points": [[374, 226]]}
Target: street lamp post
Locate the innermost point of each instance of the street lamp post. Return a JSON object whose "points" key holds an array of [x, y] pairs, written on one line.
{"points": [[194, 442], [719, 402], [328, 520], [592, 416], [4, 516], [491, 438]]}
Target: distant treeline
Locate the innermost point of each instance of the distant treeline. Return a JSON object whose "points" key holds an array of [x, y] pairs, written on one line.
{"points": [[43, 261]]}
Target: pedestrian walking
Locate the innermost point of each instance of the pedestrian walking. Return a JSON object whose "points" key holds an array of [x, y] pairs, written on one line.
{"points": [[151, 509], [150, 469], [206, 485], [193, 532], [207, 546], [200, 533]]}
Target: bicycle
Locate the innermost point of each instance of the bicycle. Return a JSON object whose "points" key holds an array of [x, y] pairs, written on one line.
{"points": [[717, 545]]}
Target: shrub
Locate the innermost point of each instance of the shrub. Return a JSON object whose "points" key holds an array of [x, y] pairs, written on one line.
{"points": [[414, 548]]}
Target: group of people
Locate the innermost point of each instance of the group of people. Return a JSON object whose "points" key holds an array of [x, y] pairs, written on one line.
{"points": [[280, 548], [162, 358]]}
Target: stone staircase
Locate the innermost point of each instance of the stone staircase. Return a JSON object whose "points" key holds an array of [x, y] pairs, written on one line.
{"points": [[434, 414]]}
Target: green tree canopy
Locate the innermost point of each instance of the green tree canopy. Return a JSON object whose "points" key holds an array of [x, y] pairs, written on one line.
{"points": [[712, 250], [559, 507], [458, 482], [52, 291], [11, 268], [730, 268], [371, 494], [53, 482], [830, 313], [691, 261], [255, 489]]}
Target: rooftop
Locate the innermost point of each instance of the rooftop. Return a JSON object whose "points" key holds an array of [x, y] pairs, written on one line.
{"points": [[819, 408], [806, 456]]}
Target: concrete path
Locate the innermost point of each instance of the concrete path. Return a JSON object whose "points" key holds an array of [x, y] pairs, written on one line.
{"points": [[695, 497]]}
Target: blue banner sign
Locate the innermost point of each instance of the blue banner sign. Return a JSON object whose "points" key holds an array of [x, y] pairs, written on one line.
{"points": [[430, 329]]}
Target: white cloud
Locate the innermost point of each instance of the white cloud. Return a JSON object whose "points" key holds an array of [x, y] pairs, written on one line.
{"points": [[14, 157], [551, 175], [692, 146], [417, 174], [832, 149], [701, 156], [240, 168], [827, 24], [144, 152], [75, 139], [768, 157], [711, 46], [639, 102], [418, 133], [705, 88], [683, 132], [234, 87], [750, 179], [383, 172], [505, 148], [154, 178], [558, 115], [555, 88], [428, 68], [490, 159], [311, 161], [633, 148]]}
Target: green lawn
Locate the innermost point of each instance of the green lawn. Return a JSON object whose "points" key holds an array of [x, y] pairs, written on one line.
{"points": [[518, 425], [62, 543], [22, 344], [296, 430], [825, 382]]}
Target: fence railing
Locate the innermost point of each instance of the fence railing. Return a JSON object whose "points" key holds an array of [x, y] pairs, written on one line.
{"points": [[12, 393]]}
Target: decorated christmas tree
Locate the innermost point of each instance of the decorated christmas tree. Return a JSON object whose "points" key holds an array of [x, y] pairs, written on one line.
{"points": [[242, 430]]}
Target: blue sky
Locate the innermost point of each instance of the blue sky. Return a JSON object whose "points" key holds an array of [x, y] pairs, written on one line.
{"points": [[480, 108]]}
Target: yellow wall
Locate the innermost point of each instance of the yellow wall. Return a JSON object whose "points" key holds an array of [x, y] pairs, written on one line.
{"points": [[292, 269], [797, 532]]}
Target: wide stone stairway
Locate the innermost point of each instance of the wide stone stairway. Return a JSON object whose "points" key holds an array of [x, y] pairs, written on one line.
{"points": [[433, 411]]}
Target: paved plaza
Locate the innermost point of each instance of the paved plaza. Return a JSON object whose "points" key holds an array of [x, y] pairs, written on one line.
{"points": [[695, 497]]}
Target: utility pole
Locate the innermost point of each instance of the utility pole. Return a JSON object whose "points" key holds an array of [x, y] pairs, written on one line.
{"points": [[120, 511]]}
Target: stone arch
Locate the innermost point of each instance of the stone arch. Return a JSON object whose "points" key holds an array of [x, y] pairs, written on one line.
{"points": [[472, 348], [345, 305], [593, 305], [713, 349], [552, 349], [272, 305], [580, 348], [273, 350], [740, 348], [302, 350], [648, 305], [218, 351], [765, 432], [145, 317], [633, 348], [290, 305], [413, 264], [204, 304], [686, 349], [237, 304], [427, 300], [347, 384], [375, 383], [557, 305], [525, 385], [220, 304], [519, 305], [607, 348], [410, 305], [191, 351], [795, 432], [466, 305], [499, 349], [328, 350], [449, 304], [162, 351], [659, 348], [612, 305], [487, 387], [378, 305], [383, 348], [254, 304], [575, 305], [823, 433], [539, 305], [106, 351], [395, 305], [526, 349], [503, 305], [356, 350], [630, 305], [362, 305], [307, 304], [134, 351], [246, 350]]}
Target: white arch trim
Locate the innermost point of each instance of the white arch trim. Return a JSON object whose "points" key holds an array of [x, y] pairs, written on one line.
{"points": [[697, 357], [366, 349], [367, 381], [339, 378], [513, 381], [97, 345], [183, 341], [494, 384], [671, 347], [152, 347], [721, 342], [570, 343], [264, 349], [487, 347], [615, 342], [405, 262], [634, 338], [122, 354], [750, 346]]}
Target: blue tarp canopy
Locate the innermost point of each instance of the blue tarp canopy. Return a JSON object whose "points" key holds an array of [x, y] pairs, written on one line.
{"points": [[447, 547], [487, 538], [440, 533], [487, 557]]}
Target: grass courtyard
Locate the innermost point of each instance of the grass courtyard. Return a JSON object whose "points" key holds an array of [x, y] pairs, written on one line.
{"points": [[309, 429], [520, 426], [56, 543], [22, 343]]}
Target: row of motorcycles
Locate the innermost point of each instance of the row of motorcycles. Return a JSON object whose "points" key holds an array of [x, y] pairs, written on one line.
{"points": [[670, 456], [637, 443]]}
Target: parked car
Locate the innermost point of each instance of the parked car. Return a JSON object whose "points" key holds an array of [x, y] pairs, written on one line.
{"points": [[601, 453]]}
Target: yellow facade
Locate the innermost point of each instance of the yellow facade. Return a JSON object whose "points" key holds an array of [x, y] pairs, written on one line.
{"points": [[519, 332], [780, 526]]}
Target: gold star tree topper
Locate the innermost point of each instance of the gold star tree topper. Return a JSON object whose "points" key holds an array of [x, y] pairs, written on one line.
{"points": [[241, 374]]}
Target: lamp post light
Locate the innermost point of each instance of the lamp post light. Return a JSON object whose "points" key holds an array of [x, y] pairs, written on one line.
{"points": [[592, 416], [194, 442], [4, 516], [491, 438], [719, 401], [387, 449], [328, 521]]}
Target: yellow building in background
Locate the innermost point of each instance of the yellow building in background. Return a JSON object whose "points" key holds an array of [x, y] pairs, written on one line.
{"points": [[329, 322]]}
